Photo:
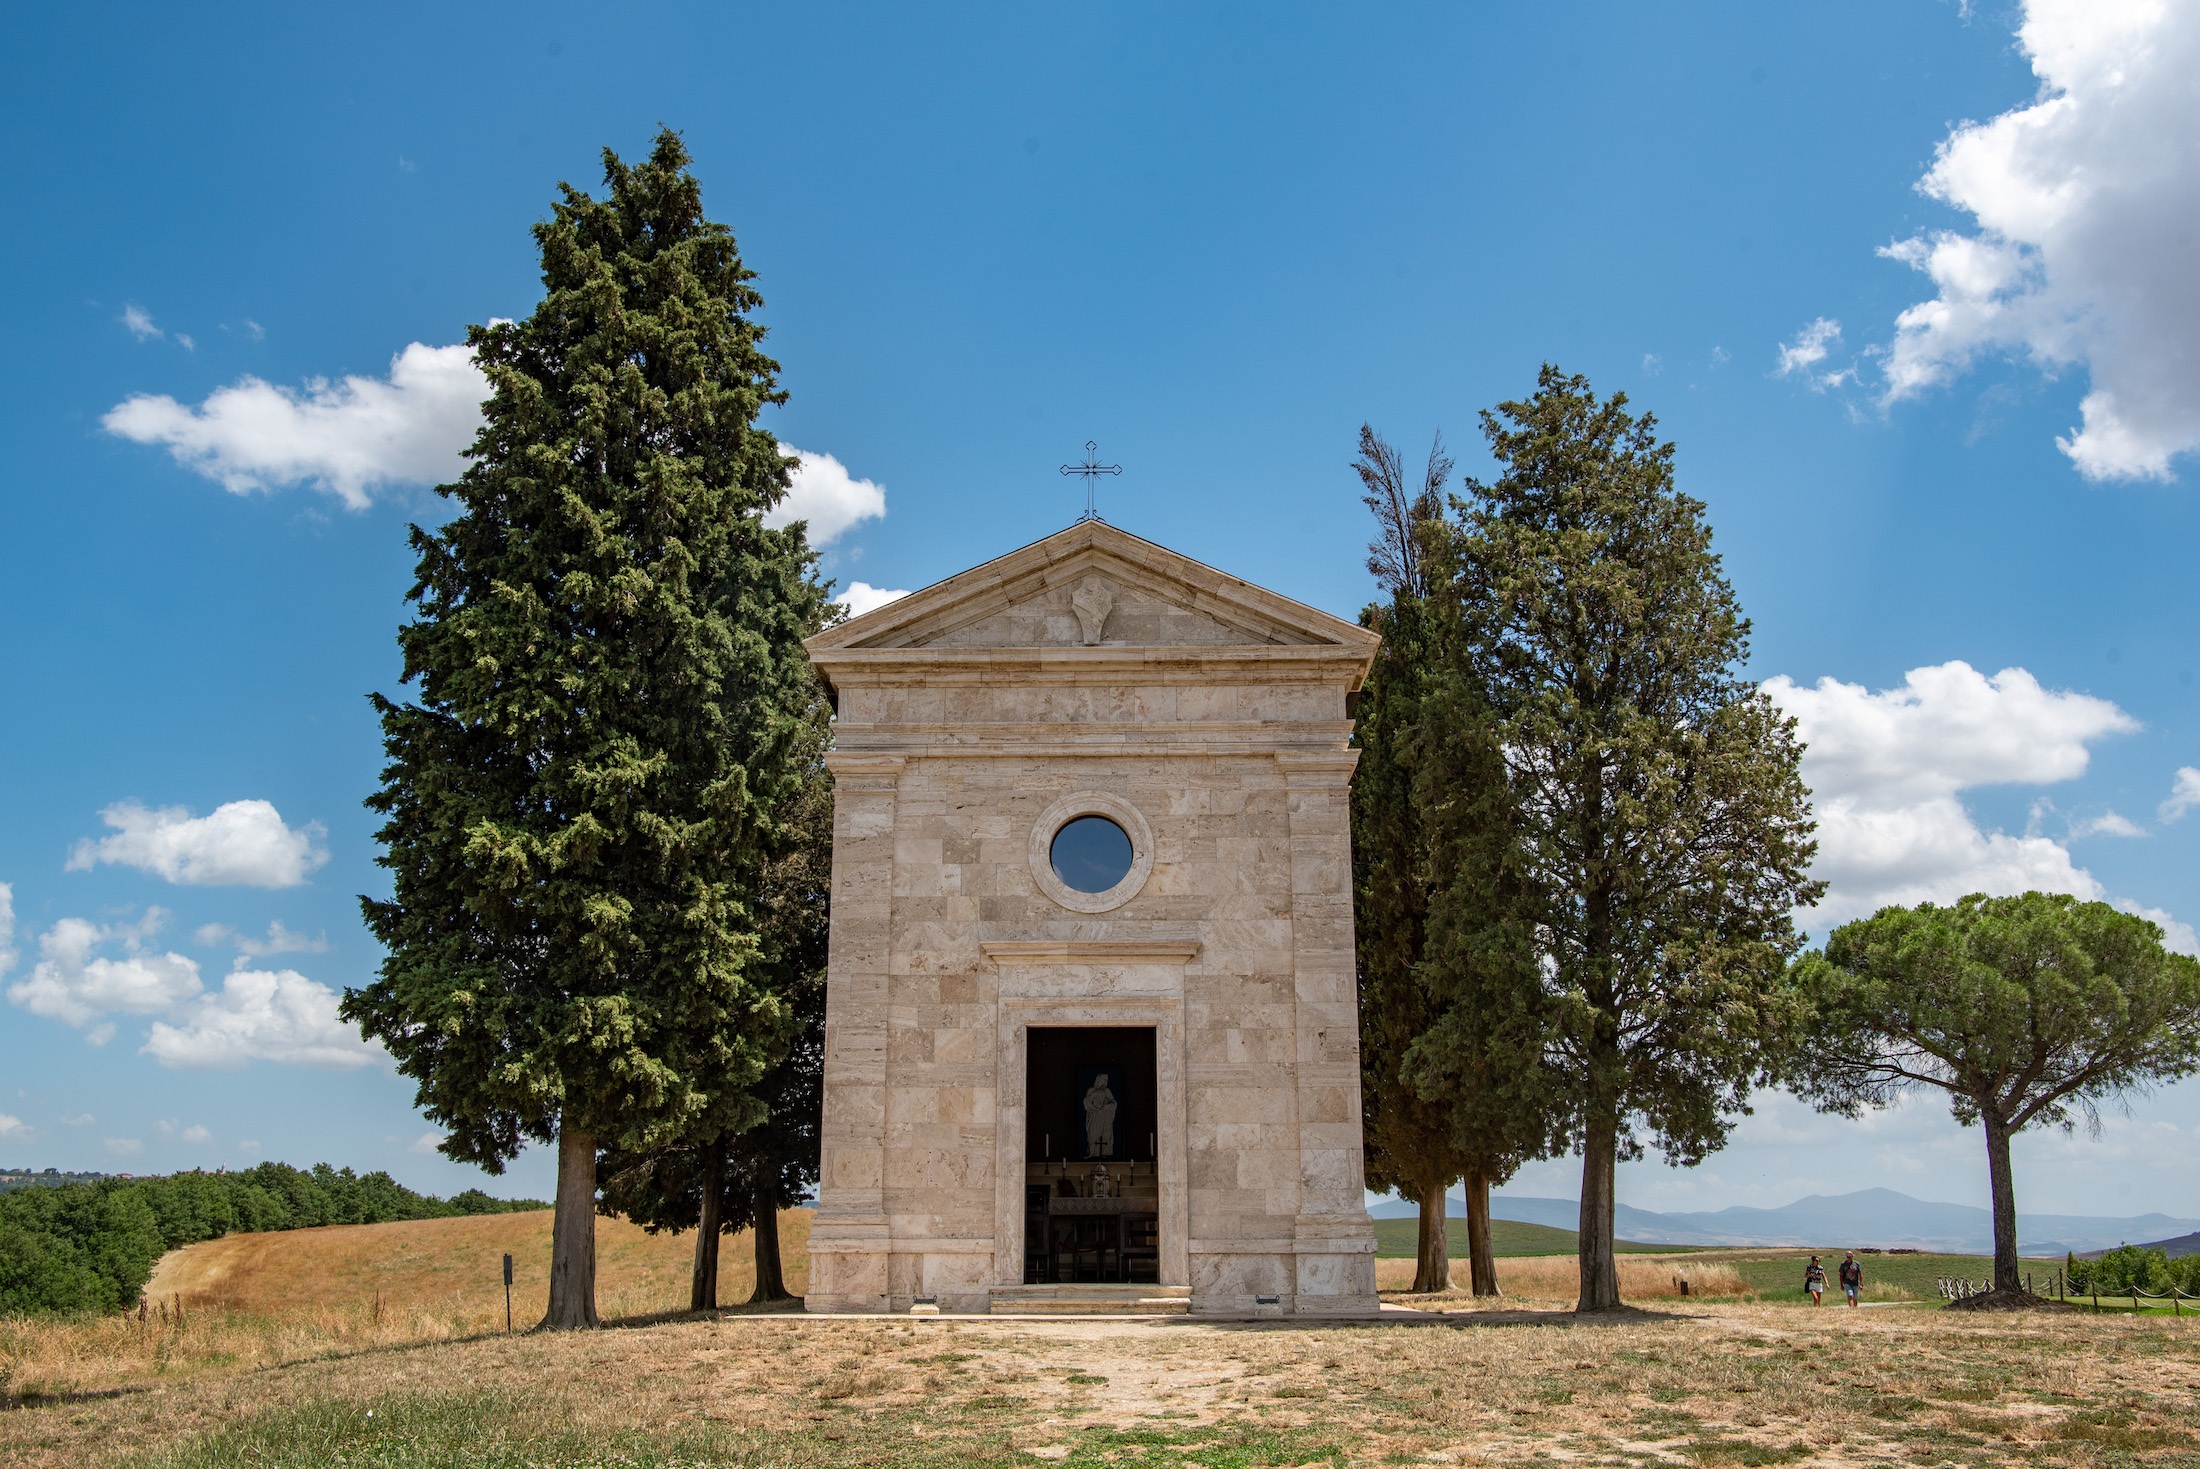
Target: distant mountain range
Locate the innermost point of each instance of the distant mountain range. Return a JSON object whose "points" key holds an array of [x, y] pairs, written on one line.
{"points": [[1872, 1216]]}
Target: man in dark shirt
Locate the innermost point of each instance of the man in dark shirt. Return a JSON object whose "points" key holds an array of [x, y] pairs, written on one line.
{"points": [[1852, 1277]]}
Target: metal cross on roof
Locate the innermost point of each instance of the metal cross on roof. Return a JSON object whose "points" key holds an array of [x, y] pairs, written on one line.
{"points": [[1091, 471]]}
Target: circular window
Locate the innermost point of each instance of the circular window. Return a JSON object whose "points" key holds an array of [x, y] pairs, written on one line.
{"points": [[1090, 854], [1091, 851]]}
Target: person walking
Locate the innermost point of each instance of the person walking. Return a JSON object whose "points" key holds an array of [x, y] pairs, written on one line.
{"points": [[1852, 1277], [1814, 1281]]}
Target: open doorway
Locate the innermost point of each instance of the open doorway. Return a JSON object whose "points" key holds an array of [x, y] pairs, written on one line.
{"points": [[1092, 1194]]}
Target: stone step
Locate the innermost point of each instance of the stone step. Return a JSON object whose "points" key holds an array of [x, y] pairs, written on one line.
{"points": [[1092, 1300]]}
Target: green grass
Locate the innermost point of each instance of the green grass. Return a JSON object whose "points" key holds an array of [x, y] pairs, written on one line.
{"points": [[495, 1430], [1398, 1239]]}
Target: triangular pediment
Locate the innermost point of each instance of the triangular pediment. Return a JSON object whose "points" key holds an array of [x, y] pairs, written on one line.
{"points": [[1097, 587]]}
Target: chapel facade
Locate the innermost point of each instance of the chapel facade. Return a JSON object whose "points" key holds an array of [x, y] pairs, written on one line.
{"points": [[1091, 1015]]}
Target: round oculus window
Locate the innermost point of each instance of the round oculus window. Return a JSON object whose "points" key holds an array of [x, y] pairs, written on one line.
{"points": [[1091, 854]]}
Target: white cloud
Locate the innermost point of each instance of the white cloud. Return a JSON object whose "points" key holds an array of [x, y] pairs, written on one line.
{"points": [[139, 323], [823, 493], [248, 1145], [2107, 824], [7, 928], [77, 1119], [76, 986], [2086, 205], [279, 940], [2177, 937], [1886, 770], [260, 1015], [427, 1143], [15, 1127], [279, 1016], [1812, 345], [240, 842], [122, 1147], [349, 438], [2184, 794], [862, 597], [196, 1134]]}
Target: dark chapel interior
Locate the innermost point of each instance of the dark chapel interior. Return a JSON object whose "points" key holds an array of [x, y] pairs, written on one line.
{"points": [[1090, 1213]]}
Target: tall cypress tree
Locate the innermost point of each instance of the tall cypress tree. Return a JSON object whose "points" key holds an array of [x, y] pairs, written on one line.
{"points": [[608, 691], [1664, 830], [1452, 1081], [1408, 1141], [718, 1182]]}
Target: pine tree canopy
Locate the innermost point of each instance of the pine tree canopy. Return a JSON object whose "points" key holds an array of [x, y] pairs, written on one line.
{"points": [[608, 691]]}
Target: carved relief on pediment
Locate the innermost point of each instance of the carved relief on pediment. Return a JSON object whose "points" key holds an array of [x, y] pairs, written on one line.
{"points": [[1093, 610]]}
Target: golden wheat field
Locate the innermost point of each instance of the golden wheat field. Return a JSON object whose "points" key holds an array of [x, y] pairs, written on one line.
{"points": [[1556, 1279], [257, 1300], [277, 1359]]}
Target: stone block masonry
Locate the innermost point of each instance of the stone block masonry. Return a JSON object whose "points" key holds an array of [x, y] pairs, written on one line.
{"points": [[1092, 674]]}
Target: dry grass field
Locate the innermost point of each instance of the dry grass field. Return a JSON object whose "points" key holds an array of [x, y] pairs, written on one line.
{"points": [[257, 1300], [1685, 1383]]}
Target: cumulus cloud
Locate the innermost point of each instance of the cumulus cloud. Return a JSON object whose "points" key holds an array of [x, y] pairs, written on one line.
{"points": [[7, 928], [1802, 357], [279, 940], [243, 843], [349, 438], [257, 1015], [862, 597], [77, 1119], [260, 1015], [830, 499], [2184, 794], [2107, 824], [1886, 769], [14, 1127], [75, 985], [427, 1143], [2086, 206], [122, 1147], [138, 322]]}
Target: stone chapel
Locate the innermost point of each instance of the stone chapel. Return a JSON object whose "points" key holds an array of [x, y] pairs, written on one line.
{"points": [[1091, 1023]]}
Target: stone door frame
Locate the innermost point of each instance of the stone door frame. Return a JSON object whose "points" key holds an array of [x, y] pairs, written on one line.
{"points": [[1077, 978]]}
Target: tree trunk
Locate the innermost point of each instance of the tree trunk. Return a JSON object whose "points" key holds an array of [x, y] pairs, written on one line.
{"points": [[771, 1284], [2004, 1189], [703, 1290], [1599, 1156], [1481, 1252], [573, 1236], [1432, 1256]]}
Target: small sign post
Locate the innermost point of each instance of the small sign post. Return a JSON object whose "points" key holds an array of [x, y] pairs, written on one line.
{"points": [[507, 1295]]}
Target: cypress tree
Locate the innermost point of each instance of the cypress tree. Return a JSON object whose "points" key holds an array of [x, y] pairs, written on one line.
{"points": [[608, 688], [1452, 1081], [1664, 831], [1408, 1141], [719, 1182]]}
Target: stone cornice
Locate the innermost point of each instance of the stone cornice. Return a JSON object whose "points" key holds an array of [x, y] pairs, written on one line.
{"points": [[1232, 663], [1104, 951]]}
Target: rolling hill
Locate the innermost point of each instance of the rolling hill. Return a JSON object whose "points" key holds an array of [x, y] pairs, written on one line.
{"points": [[1875, 1216]]}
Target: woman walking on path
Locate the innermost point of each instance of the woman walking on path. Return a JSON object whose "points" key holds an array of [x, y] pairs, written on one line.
{"points": [[1814, 1281]]}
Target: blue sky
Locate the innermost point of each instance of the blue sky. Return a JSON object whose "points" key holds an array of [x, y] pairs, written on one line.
{"points": [[1215, 239]]}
